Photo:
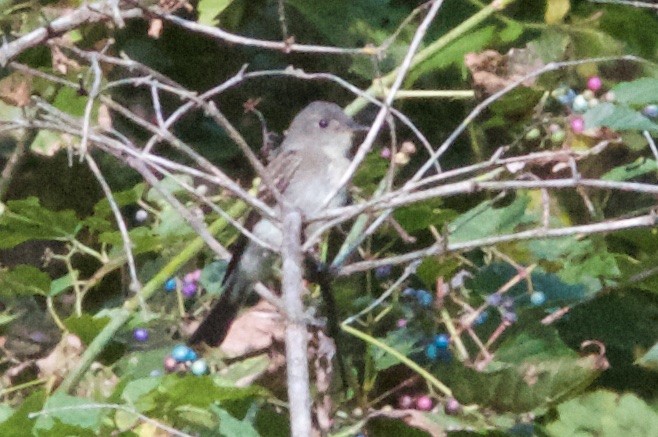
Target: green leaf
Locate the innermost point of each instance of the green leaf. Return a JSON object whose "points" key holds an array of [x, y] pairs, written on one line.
{"points": [[604, 413], [26, 219], [420, 216], [70, 410], [170, 184], [486, 221], [209, 11], [19, 424], [229, 425], [617, 117], [650, 359], [640, 92], [212, 276], [640, 167], [71, 102], [24, 280], [142, 238], [86, 326], [402, 341], [60, 284], [47, 142]]}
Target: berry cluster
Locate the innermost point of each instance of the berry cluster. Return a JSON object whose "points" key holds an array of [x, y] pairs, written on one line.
{"points": [[189, 284], [438, 350], [425, 403], [423, 297], [183, 359]]}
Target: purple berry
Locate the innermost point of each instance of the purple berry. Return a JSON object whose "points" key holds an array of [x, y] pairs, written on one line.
{"points": [[170, 285], [141, 334], [382, 272], [424, 403], [594, 83], [385, 153], [409, 292], [510, 316], [189, 289], [494, 299]]}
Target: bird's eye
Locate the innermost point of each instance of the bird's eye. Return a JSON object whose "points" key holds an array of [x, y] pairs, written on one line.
{"points": [[323, 123]]}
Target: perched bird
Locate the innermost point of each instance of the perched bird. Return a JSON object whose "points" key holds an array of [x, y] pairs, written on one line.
{"points": [[307, 168]]}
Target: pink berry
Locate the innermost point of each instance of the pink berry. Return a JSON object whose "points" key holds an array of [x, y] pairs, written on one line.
{"points": [[594, 83], [401, 323], [170, 363], [452, 406], [193, 276], [405, 402], [577, 125], [385, 153], [424, 403]]}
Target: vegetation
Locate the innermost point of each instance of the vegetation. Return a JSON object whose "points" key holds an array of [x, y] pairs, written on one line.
{"points": [[494, 275]]}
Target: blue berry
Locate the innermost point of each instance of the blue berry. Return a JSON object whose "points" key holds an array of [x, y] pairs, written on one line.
{"points": [[432, 352], [424, 298], [650, 111], [580, 104], [170, 285], [140, 334], [567, 97], [382, 272], [441, 341], [409, 292], [481, 318], [181, 353], [537, 298], [199, 367], [191, 355]]}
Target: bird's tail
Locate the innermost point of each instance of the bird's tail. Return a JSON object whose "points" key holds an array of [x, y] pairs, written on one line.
{"points": [[214, 328]]}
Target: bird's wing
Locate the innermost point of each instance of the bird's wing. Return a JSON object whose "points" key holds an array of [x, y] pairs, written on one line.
{"points": [[281, 170]]}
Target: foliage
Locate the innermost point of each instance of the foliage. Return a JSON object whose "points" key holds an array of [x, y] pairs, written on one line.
{"points": [[509, 289]]}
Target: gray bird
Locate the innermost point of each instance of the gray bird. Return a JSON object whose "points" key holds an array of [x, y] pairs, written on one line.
{"points": [[311, 161]]}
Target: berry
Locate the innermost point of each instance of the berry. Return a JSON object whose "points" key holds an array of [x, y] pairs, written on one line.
{"points": [[510, 316], [577, 125], [452, 406], [181, 353], [409, 292], [558, 136], [189, 289], [441, 341], [401, 323], [385, 153], [170, 363], [579, 104], [424, 403], [609, 96], [588, 94], [405, 402], [192, 276], [191, 355], [481, 318], [383, 272], [424, 298], [537, 298], [432, 352], [141, 334], [533, 134], [199, 367], [566, 97], [594, 83], [650, 111], [170, 285], [593, 102], [494, 299], [141, 215]]}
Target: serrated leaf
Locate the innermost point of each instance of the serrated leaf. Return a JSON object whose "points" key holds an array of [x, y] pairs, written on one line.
{"points": [[24, 280], [60, 284], [62, 407], [26, 219], [401, 340], [617, 117], [209, 11]]}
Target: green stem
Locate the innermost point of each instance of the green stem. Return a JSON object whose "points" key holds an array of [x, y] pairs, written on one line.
{"points": [[403, 359], [466, 26], [125, 313]]}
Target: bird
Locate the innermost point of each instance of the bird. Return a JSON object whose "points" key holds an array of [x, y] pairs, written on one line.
{"points": [[307, 168]]}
